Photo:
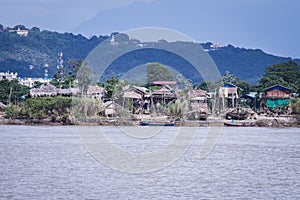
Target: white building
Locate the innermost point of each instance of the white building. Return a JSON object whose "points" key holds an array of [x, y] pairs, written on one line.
{"points": [[20, 32], [30, 81], [8, 75]]}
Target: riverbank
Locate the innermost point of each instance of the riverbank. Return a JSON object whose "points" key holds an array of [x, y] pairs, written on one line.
{"points": [[261, 121]]}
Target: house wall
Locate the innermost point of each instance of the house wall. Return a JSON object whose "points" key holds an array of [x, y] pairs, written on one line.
{"points": [[278, 94]]}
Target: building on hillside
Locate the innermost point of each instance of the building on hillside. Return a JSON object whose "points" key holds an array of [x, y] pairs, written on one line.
{"points": [[198, 108], [277, 97], [30, 81], [19, 32], [8, 75]]}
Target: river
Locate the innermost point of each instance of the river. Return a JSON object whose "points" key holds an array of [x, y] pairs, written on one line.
{"points": [[56, 163]]}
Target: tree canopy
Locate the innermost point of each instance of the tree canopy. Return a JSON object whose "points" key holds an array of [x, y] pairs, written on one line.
{"points": [[286, 74], [158, 72], [12, 91]]}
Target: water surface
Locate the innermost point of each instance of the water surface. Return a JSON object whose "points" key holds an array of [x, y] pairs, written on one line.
{"points": [[246, 163]]}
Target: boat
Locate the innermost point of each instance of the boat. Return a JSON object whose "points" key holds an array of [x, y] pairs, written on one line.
{"points": [[237, 124], [143, 123], [233, 124]]}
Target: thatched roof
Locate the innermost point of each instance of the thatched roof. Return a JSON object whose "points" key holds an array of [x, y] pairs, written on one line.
{"points": [[135, 93], [44, 90], [197, 95], [95, 89], [68, 91]]}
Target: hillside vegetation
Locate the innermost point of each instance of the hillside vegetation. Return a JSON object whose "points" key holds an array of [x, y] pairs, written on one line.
{"points": [[29, 55]]}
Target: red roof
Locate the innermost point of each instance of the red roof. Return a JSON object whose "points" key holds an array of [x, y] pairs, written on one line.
{"points": [[165, 82]]}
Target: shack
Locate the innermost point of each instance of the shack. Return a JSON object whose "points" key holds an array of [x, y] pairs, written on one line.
{"points": [[134, 99], [277, 97], [229, 92], [44, 90], [198, 108]]}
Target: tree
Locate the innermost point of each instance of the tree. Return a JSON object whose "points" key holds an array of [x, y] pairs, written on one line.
{"points": [[37, 84], [12, 91], [84, 78], [158, 72], [110, 85], [286, 74]]}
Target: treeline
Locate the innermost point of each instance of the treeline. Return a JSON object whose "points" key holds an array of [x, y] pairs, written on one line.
{"points": [[58, 108]]}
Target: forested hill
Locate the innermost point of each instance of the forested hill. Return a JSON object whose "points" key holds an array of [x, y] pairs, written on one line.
{"points": [[247, 64], [28, 55]]}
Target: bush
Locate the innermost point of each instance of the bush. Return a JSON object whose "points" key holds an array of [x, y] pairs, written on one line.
{"points": [[12, 112], [295, 105]]}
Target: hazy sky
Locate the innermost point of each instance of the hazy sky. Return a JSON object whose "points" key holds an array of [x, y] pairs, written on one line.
{"points": [[272, 26]]}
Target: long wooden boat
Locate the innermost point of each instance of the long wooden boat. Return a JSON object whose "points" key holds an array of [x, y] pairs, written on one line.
{"points": [[234, 124], [143, 123], [237, 124]]}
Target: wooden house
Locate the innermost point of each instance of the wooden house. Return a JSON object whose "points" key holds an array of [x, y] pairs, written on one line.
{"points": [[230, 92], [96, 91], [198, 108], [164, 95], [137, 97], [109, 109], [277, 96]]}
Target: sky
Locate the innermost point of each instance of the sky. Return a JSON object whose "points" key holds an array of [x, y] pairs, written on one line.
{"points": [[272, 26]]}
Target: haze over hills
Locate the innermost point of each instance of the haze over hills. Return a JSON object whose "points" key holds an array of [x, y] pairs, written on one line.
{"points": [[267, 25], [28, 55]]}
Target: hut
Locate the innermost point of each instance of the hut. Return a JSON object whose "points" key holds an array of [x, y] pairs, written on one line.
{"points": [[230, 92], [277, 97], [96, 91], [109, 109], [198, 108], [135, 99], [165, 95], [44, 90]]}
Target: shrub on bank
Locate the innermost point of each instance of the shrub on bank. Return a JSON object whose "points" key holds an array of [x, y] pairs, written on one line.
{"points": [[295, 105]]}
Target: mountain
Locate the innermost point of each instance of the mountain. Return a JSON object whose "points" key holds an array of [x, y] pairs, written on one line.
{"points": [[30, 55], [268, 25]]}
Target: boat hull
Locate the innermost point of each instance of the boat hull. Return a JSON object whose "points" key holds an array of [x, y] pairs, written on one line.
{"points": [[156, 124]]}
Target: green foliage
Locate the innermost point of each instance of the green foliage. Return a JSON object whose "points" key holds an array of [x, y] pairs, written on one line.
{"points": [[12, 91], [66, 78], [158, 72], [286, 74], [178, 109], [42, 47], [84, 109], [247, 64], [295, 105], [110, 85], [12, 112], [37, 84], [84, 77], [45, 107]]}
